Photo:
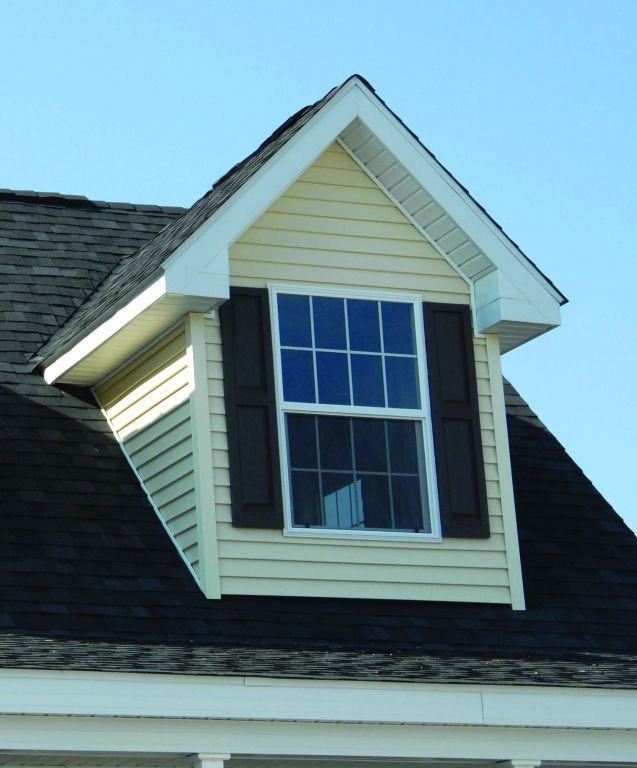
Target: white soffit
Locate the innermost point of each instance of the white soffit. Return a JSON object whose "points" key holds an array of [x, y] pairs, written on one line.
{"points": [[111, 343], [512, 298], [414, 199]]}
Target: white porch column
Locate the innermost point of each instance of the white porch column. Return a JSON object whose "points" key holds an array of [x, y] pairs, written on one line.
{"points": [[209, 760]]}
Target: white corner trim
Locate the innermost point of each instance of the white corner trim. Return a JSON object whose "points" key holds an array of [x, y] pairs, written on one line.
{"points": [[202, 458], [105, 330], [505, 477], [146, 491]]}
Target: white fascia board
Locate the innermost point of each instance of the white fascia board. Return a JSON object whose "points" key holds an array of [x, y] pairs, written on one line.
{"points": [[105, 330], [81, 736], [201, 263], [207, 246], [74, 693], [455, 201]]}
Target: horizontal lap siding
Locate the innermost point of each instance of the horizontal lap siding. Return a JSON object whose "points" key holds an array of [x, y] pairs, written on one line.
{"points": [[335, 227], [148, 406]]}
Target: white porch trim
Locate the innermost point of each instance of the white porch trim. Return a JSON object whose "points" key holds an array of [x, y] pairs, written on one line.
{"points": [[240, 737], [93, 711]]}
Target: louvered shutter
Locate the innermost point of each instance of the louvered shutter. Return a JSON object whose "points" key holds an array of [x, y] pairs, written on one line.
{"points": [[255, 478], [455, 420]]}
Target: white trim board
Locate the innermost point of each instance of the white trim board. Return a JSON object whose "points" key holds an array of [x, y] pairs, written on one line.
{"points": [[103, 332], [202, 458], [75, 693], [184, 736], [514, 297]]}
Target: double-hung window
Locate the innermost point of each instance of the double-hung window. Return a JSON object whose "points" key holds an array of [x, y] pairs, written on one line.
{"points": [[353, 409]]}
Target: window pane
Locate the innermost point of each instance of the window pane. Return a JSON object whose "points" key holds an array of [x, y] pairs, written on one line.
{"points": [[347, 487], [407, 504], [403, 450], [369, 445], [298, 376], [335, 443], [306, 499], [364, 332], [302, 441], [398, 327], [332, 378], [402, 382], [376, 505], [341, 501], [294, 320], [329, 322], [367, 380]]}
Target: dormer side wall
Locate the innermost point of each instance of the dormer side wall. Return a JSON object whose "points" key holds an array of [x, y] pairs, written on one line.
{"points": [[148, 407]]}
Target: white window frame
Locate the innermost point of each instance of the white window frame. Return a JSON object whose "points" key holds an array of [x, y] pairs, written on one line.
{"points": [[421, 415]]}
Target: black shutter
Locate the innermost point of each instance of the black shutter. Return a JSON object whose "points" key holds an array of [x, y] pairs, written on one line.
{"points": [[255, 478], [455, 419]]}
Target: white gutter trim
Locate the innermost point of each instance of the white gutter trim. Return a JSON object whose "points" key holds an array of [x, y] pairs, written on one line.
{"points": [[105, 330], [76, 693], [86, 736]]}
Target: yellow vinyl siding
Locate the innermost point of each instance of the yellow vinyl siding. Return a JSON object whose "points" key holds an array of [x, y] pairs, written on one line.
{"points": [[147, 404], [335, 227]]}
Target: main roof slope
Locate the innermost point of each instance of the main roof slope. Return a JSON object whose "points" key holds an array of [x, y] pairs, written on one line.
{"points": [[84, 557]]}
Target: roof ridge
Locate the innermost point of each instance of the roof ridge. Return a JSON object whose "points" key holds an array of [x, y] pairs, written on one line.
{"points": [[79, 201]]}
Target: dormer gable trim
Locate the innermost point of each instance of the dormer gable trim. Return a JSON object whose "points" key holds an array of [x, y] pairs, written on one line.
{"points": [[511, 297]]}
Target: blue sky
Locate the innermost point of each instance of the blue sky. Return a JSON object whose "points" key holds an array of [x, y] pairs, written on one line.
{"points": [[532, 105]]}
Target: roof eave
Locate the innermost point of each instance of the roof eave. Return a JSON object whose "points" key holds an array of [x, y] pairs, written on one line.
{"points": [[132, 325]]}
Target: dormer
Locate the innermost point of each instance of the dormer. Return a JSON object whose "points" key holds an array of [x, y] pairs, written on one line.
{"points": [[303, 370]]}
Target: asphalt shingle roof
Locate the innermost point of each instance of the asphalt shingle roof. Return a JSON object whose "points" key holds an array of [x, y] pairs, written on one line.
{"points": [[134, 268], [86, 564]]}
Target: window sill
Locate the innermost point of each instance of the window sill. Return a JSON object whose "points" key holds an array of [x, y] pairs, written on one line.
{"points": [[388, 536]]}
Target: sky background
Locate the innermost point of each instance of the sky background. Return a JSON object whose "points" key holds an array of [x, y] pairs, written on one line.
{"points": [[531, 105]]}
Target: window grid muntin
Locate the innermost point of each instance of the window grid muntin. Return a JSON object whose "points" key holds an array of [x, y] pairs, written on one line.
{"points": [[359, 474], [429, 492], [348, 352]]}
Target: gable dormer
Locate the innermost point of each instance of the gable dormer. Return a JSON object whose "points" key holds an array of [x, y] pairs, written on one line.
{"points": [[333, 425]]}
